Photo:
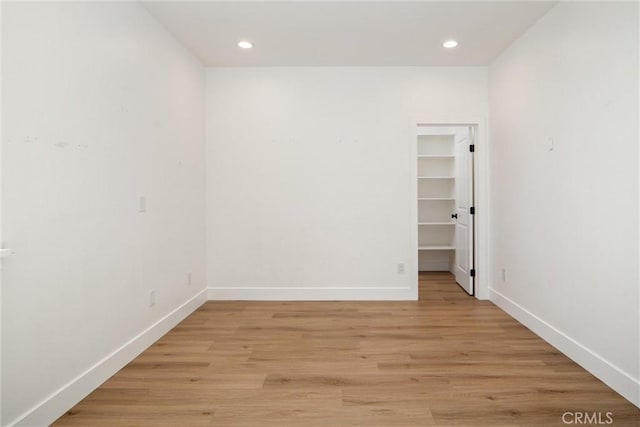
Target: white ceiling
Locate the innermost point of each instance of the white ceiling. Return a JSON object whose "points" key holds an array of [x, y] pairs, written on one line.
{"points": [[355, 33]]}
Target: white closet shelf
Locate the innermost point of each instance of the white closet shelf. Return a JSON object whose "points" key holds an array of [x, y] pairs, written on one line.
{"points": [[437, 223], [436, 248], [436, 156], [436, 177], [436, 198]]}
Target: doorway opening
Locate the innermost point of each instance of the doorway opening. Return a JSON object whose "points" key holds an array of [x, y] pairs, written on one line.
{"points": [[445, 201]]}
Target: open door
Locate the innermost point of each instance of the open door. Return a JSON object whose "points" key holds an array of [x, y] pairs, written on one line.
{"points": [[463, 215]]}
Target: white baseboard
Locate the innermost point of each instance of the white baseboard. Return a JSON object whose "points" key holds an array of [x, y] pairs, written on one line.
{"points": [[434, 266], [53, 406], [611, 375], [313, 294]]}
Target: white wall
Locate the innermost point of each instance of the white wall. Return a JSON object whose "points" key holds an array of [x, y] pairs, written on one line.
{"points": [[565, 222], [1, 211], [100, 106], [309, 188]]}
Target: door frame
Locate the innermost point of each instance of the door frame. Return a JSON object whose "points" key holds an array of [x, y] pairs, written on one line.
{"points": [[480, 197]]}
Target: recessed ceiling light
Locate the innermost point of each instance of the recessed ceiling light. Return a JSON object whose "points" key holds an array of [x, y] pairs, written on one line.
{"points": [[245, 44], [450, 44]]}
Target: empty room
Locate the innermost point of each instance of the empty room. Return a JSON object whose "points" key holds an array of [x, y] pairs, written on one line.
{"points": [[319, 213]]}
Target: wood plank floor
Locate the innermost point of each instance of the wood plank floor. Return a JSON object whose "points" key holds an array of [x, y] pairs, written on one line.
{"points": [[448, 359]]}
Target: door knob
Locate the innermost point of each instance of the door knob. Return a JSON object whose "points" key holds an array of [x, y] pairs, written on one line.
{"points": [[454, 215], [6, 253]]}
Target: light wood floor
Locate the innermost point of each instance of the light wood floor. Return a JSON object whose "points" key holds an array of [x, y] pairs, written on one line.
{"points": [[448, 359]]}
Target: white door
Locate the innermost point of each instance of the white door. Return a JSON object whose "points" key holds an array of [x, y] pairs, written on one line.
{"points": [[462, 215]]}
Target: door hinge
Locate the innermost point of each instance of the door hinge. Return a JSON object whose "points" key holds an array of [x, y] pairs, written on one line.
{"points": [[472, 148], [473, 272], [472, 210]]}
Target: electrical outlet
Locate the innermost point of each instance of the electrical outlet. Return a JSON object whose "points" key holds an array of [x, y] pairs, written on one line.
{"points": [[401, 268], [189, 279], [504, 274], [152, 298], [143, 204]]}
